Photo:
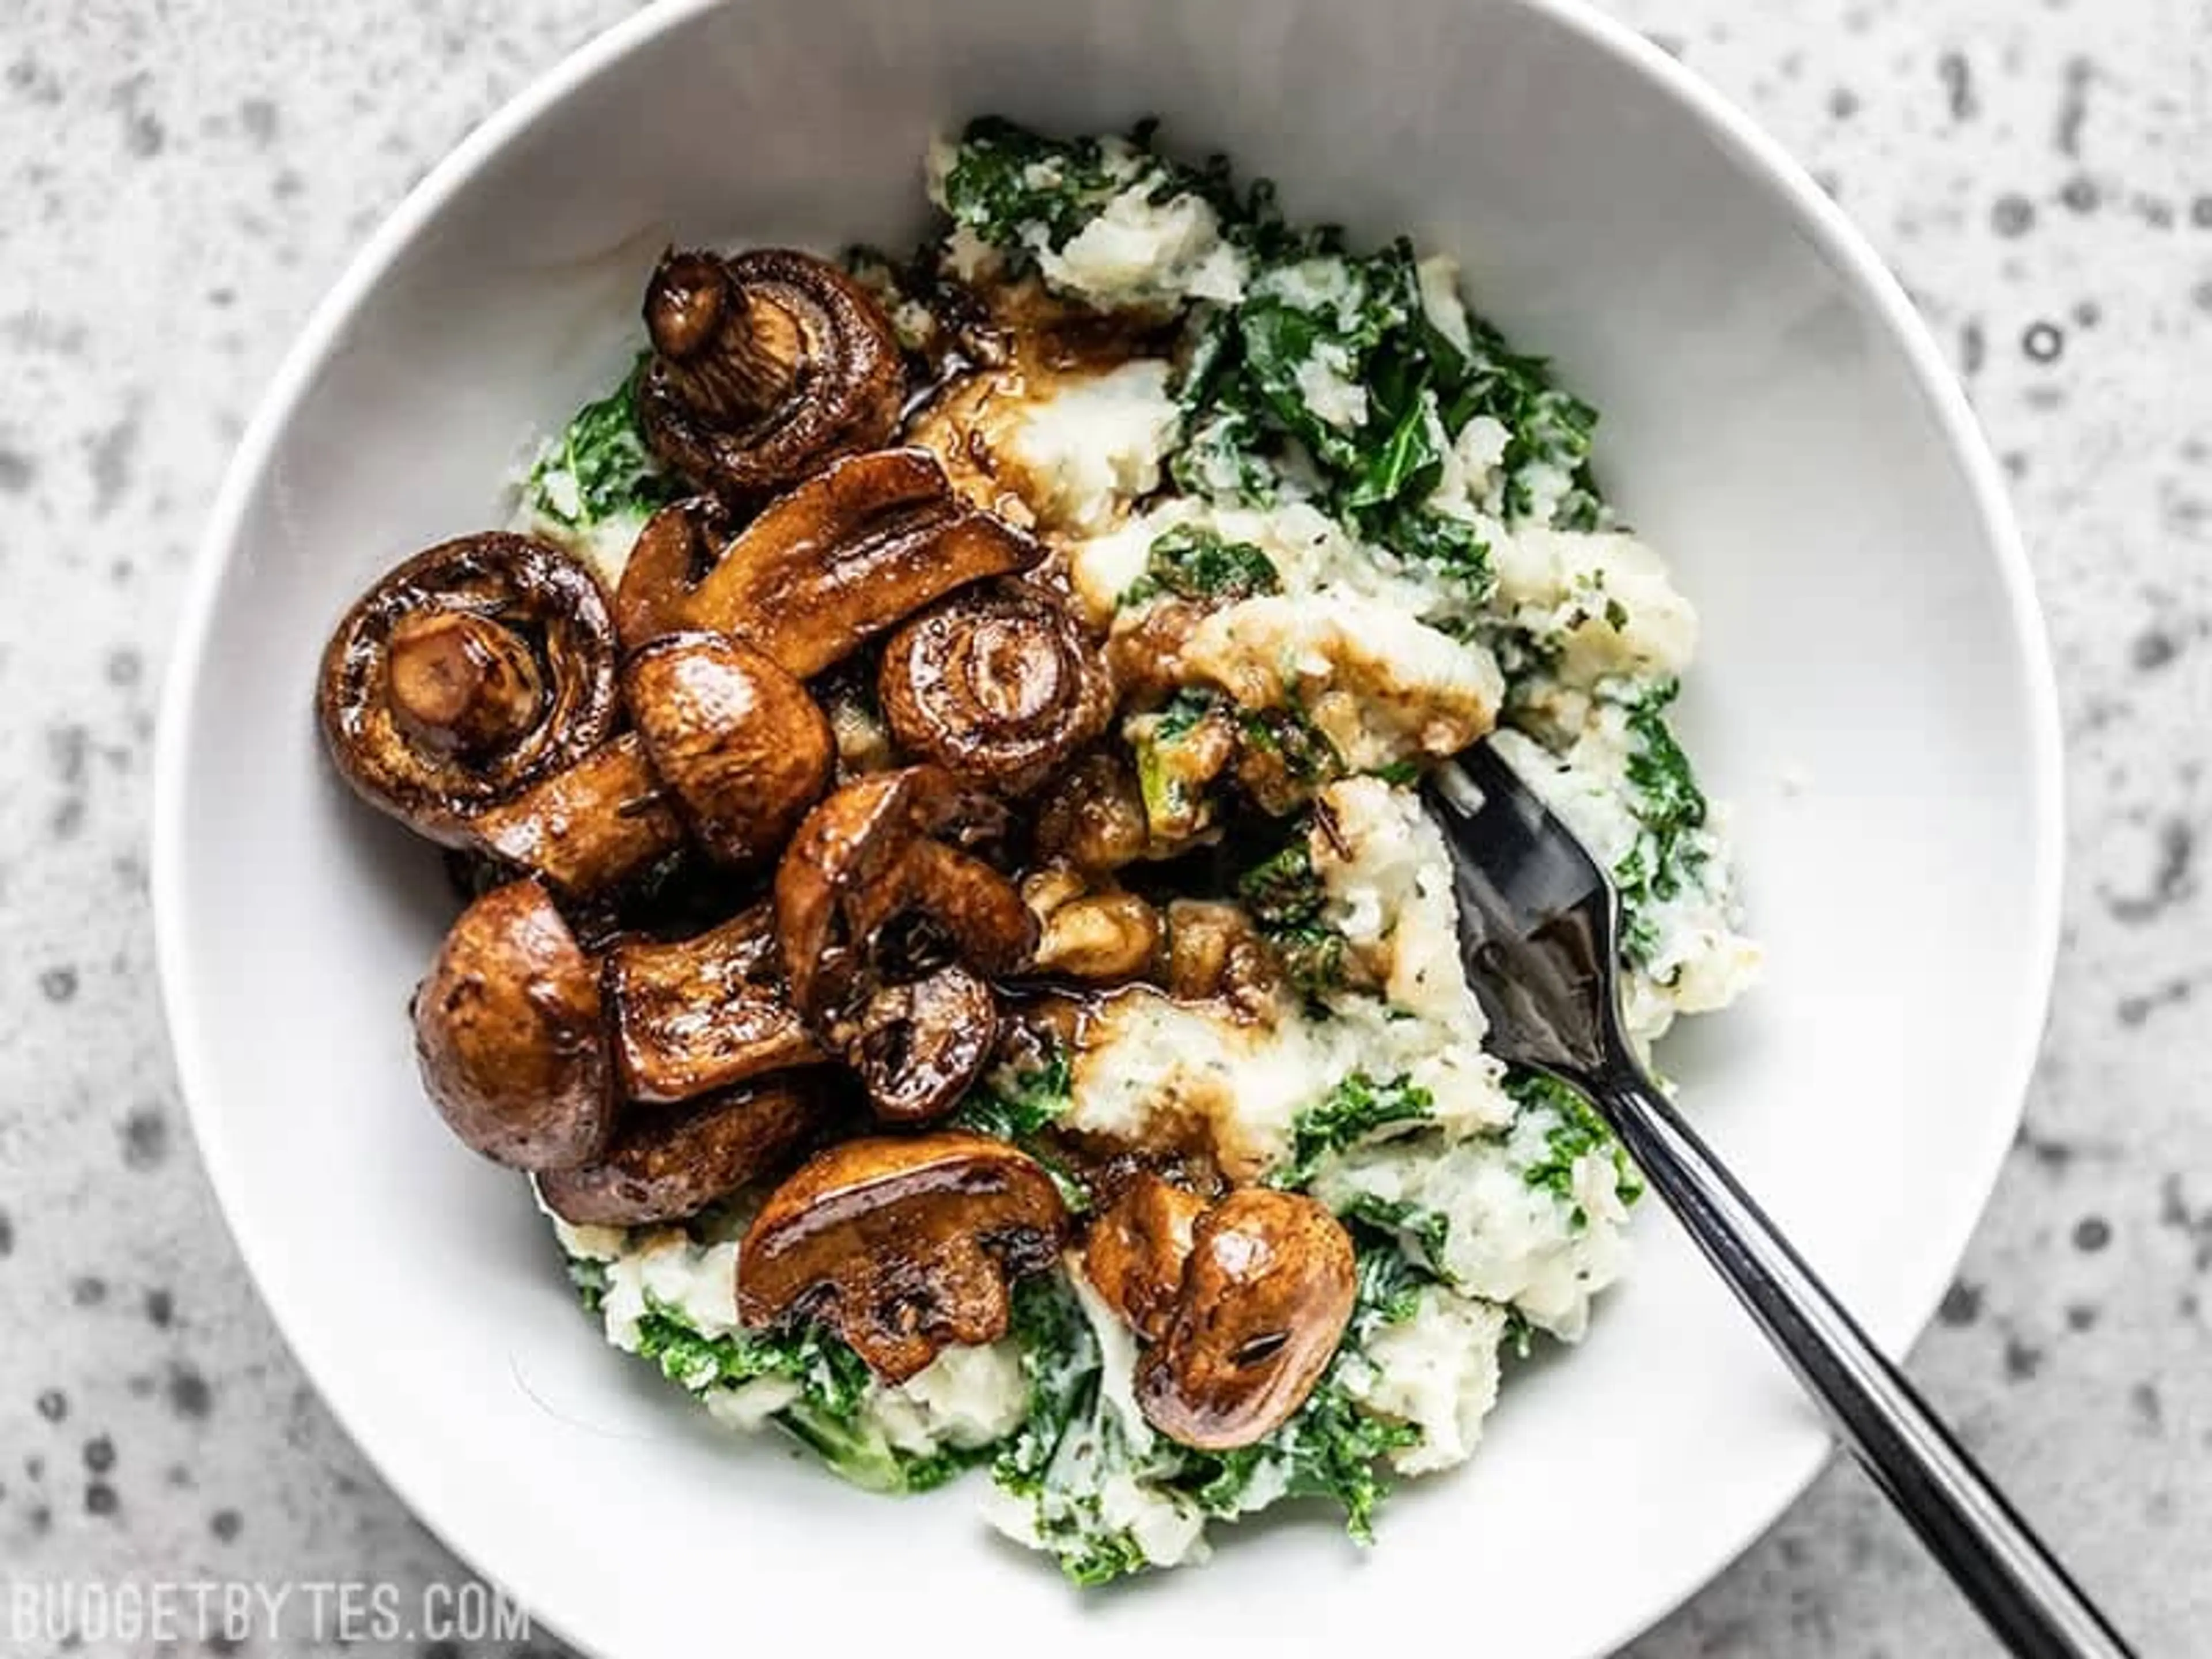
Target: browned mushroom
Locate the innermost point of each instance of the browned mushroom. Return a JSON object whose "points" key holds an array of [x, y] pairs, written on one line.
{"points": [[670, 1162], [1094, 817], [737, 737], [1100, 937], [1134, 1252], [996, 685], [902, 1246], [705, 1013], [590, 827], [1215, 953], [679, 546], [1264, 1299], [470, 672], [855, 550], [872, 896], [765, 365], [510, 1036]]}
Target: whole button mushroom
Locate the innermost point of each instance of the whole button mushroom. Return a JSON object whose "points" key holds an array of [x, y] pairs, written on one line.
{"points": [[509, 1035], [467, 675], [700, 1014], [590, 827], [1264, 1299], [996, 685], [765, 364], [669, 1164], [745, 748], [851, 552], [904, 1247]]}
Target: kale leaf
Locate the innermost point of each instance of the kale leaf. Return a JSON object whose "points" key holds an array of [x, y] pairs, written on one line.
{"points": [[1192, 562], [601, 467], [1669, 810], [1284, 897], [1354, 1110], [1576, 1132]]}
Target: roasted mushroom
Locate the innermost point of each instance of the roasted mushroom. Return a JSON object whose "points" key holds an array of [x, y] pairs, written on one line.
{"points": [[765, 365], [998, 686], [1213, 952], [903, 1246], [475, 669], [743, 747], [1134, 1252], [853, 551], [510, 1036], [1264, 1299], [1099, 936], [679, 544], [590, 827], [1094, 817], [873, 896], [669, 1162], [705, 1013]]}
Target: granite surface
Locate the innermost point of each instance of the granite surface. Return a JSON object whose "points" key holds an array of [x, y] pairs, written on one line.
{"points": [[183, 178]]}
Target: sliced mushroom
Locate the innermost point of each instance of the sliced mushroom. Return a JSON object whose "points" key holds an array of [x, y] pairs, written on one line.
{"points": [[904, 1247], [670, 1162], [1101, 937], [1264, 1299], [705, 1013], [510, 1036], [590, 827], [765, 365], [853, 551], [469, 673], [678, 546], [997, 685], [737, 737], [889, 929], [1134, 1252]]}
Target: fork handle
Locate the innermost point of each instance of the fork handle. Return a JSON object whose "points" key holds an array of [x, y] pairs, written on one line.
{"points": [[2015, 1582]]}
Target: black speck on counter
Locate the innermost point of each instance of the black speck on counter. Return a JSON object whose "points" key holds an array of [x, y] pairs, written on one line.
{"points": [[1961, 1305], [145, 1138], [99, 1453], [2022, 1360], [53, 1405], [226, 1525], [87, 1290], [190, 1395], [58, 984], [2043, 341], [2011, 215], [7, 1235], [161, 1308], [100, 1498], [2092, 1233]]}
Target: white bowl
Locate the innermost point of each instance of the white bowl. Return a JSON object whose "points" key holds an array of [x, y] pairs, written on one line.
{"points": [[1775, 419]]}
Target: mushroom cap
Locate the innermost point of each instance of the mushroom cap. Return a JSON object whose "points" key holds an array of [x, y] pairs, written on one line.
{"points": [[919, 1045], [1266, 1294], [903, 1245], [766, 364], [470, 672], [853, 550], [667, 1164], [997, 685], [703, 1013], [737, 738], [1134, 1251], [510, 1036]]}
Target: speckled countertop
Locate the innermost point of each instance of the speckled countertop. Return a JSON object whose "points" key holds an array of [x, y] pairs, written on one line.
{"points": [[184, 178]]}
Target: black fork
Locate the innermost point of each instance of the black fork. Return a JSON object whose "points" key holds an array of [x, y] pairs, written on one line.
{"points": [[1538, 929]]}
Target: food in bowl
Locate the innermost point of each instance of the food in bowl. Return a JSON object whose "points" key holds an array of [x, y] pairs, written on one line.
{"points": [[953, 935]]}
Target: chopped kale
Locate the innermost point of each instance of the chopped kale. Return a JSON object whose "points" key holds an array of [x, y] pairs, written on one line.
{"points": [[829, 1413], [601, 468], [1020, 1105], [590, 1279], [1356, 1108], [1286, 900], [1422, 1234], [1192, 563], [1576, 1132], [1669, 810], [1008, 185]]}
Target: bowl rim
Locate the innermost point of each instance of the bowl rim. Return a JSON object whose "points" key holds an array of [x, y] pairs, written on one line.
{"points": [[1770, 167]]}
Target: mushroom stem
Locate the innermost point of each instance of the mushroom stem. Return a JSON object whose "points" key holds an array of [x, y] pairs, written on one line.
{"points": [[730, 352], [460, 683]]}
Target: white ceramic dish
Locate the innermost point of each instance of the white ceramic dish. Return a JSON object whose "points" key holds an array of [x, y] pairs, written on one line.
{"points": [[1774, 418]]}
